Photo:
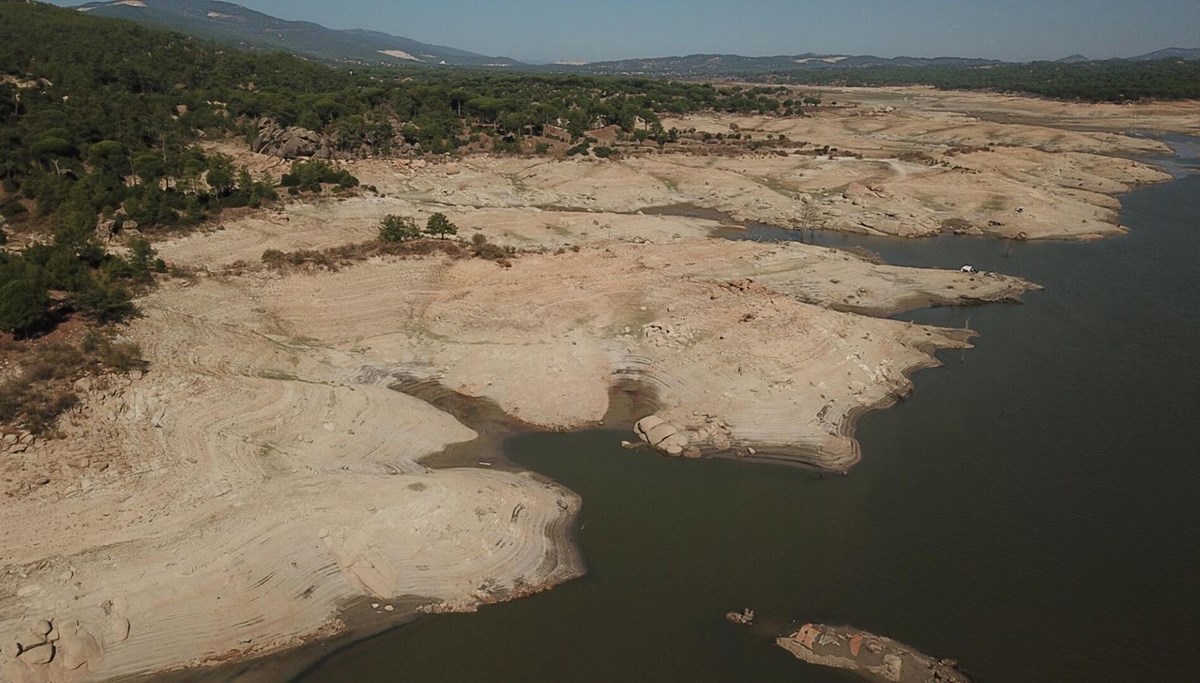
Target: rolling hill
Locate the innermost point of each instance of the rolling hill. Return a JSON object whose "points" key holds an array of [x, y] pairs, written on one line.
{"points": [[241, 27], [713, 65], [245, 28], [1169, 53]]}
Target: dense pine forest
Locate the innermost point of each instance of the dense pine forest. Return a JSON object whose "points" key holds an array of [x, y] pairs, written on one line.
{"points": [[101, 123], [102, 115]]}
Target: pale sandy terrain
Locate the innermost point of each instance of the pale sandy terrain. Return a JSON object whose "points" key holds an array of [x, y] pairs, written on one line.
{"points": [[1011, 192], [260, 475], [1152, 117], [263, 474], [234, 498]]}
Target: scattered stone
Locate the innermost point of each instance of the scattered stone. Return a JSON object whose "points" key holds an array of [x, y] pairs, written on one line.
{"points": [[42, 653], [78, 648], [389, 608], [29, 640], [120, 627]]}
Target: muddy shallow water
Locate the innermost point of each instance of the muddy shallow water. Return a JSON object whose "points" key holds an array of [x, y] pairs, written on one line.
{"points": [[1030, 511]]}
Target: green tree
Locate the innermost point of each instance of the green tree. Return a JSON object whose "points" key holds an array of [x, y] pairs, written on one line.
{"points": [[51, 147], [440, 226], [143, 259], [104, 301], [149, 167], [220, 175], [23, 303], [109, 157], [395, 228]]}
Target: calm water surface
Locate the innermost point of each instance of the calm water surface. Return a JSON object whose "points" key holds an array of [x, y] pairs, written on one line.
{"points": [[1031, 511]]}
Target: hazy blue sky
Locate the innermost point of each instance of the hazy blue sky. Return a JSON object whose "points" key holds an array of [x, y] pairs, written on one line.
{"points": [[546, 30]]}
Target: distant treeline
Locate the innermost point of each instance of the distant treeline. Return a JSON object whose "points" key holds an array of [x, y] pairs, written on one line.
{"points": [[1107, 81], [100, 118]]}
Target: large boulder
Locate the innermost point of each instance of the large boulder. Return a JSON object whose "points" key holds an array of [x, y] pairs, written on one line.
{"points": [[660, 435], [290, 142]]}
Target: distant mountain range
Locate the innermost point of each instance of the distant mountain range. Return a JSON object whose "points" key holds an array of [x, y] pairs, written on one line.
{"points": [[695, 66], [235, 25], [1169, 53]]}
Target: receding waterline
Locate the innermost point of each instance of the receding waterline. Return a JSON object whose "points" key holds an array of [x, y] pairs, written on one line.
{"points": [[1028, 511]]}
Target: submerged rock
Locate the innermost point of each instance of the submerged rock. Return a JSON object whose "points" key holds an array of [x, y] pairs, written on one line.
{"points": [[745, 617], [873, 658]]}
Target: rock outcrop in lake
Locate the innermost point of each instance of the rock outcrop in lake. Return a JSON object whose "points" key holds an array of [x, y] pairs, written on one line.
{"points": [[872, 658]]}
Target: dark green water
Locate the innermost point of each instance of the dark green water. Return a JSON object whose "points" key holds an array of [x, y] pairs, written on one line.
{"points": [[1031, 511]]}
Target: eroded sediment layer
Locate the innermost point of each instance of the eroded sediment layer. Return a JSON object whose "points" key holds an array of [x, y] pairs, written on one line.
{"points": [[230, 501], [911, 168], [262, 474], [545, 339]]}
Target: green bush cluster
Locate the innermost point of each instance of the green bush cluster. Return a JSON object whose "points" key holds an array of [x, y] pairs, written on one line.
{"points": [[398, 229], [309, 175], [44, 389], [395, 228], [72, 273]]}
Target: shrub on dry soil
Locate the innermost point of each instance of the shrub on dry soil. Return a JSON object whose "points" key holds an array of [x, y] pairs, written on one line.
{"points": [[44, 389]]}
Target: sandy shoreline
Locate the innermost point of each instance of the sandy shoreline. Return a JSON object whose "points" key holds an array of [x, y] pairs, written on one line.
{"points": [[265, 474], [266, 431]]}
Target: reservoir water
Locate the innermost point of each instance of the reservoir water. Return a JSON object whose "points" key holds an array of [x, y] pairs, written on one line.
{"points": [[1031, 511]]}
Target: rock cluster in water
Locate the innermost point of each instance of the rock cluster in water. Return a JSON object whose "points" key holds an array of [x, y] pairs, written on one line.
{"points": [[872, 657], [660, 435]]}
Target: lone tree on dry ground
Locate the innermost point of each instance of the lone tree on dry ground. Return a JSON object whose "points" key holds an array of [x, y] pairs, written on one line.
{"points": [[440, 226], [398, 229]]}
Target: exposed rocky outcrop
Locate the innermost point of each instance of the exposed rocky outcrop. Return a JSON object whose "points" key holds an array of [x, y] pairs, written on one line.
{"points": [[47, 650], [291, 142], [660, 435]]}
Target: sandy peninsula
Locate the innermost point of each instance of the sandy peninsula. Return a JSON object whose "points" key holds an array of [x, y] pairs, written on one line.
{"points": [[265, 471]]}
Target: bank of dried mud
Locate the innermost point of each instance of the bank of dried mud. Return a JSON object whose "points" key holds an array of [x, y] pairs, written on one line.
{"points": [[265, 473]]}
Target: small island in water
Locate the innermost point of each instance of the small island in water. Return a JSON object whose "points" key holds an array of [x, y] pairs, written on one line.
{"points": [[871, 657]]}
